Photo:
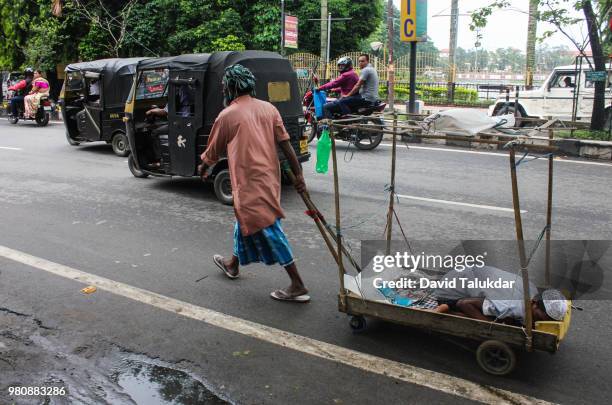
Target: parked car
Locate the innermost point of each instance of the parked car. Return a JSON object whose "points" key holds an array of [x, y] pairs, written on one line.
{"points": [[565, 90]]}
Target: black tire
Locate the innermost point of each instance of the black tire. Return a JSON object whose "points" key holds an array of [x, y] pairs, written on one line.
{"points": [[495, 357], [509, 109], [70, 140], [121, 145], [13, 120], [367, 140], [223, 187], [357, 323], [42, 119], [136, 172]]}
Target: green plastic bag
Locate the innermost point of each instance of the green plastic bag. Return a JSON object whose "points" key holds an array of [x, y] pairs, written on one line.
{"points": [[323, 151]]}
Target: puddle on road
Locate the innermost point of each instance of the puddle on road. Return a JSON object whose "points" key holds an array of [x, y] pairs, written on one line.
{"points": [[150, 382]]}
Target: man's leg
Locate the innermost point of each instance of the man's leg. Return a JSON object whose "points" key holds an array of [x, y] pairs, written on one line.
{"points": [[329, 109], [232, 265], [297, 286], [351, 104], [472, 308], [14, 105]]}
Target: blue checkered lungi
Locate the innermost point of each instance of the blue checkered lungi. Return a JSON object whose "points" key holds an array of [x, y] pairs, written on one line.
{"points": [[269, 246]]}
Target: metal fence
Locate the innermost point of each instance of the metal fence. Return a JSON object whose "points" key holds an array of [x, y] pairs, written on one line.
{"points": [[432, 79]]}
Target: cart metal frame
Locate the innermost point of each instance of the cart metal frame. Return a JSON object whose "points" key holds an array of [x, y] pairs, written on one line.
{"points": [[497, 339]]}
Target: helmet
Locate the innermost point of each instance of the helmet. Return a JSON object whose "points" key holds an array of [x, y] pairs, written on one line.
{"points": [[345, 63], [28, 72]]}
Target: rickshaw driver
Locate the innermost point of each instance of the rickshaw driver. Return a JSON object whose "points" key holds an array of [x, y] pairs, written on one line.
{"points": [[248, 131], [184, 110]]}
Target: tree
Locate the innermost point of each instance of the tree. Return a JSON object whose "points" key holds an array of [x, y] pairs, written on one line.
{"points": [[556, 12], [532, 33], [109, 26]]}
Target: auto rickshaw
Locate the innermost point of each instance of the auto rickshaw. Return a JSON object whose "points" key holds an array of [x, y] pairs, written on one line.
{"points": [[92, 101], [190, 88]]}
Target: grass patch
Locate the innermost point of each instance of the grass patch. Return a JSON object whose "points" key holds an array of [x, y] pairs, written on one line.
{"points": [[585, 134]]}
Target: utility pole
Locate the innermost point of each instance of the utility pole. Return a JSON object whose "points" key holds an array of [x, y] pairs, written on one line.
{"points": [[282, 52], [391, 68], [532, 29], [452, 49], [324, 36]]}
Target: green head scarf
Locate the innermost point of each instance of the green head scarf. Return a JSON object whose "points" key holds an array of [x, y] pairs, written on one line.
{"points": [[237, 80]]}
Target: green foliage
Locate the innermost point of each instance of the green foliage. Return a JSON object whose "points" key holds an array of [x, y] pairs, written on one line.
{"points": [[585, 134], [229, 43], [92, 29], [434, 94]]}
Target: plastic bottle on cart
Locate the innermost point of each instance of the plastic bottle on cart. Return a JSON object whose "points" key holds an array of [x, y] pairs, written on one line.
{"points": [[323, 151]]}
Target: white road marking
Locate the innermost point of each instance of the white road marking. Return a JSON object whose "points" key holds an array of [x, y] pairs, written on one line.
{"points": [[498, 154], [327, 351], [9, 148], [484, 207]]}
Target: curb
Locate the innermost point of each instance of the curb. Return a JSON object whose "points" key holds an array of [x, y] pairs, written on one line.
{"points": [[599, 150]]}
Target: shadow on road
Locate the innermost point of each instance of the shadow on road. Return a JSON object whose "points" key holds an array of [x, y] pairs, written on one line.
{"points": [[190, 187], [97, 148]]}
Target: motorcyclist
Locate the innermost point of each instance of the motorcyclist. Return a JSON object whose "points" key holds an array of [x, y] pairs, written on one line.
{"points": [[21, 89], [343, 83], [365, 92]]}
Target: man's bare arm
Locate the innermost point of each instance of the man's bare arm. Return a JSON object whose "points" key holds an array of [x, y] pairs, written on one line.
{"points": [[300, 184], [356, 88]]}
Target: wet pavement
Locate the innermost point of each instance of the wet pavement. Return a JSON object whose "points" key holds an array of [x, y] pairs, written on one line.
{"points": [[34, 354], [81, 207]]}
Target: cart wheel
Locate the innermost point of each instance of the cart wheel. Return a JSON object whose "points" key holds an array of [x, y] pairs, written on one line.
{"points": [[357, 323], [496, 357], [223, 187]]}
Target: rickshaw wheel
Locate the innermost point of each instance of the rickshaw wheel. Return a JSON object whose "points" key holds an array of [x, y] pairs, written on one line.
{"points": [[496, 357], [311, 130], [137, 173], [120, 143], [223, 187], [373, 139], [357, 323], [13, 120], [71, 141]]}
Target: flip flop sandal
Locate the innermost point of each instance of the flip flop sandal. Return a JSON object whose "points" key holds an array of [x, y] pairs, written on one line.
{"points": [[281, 295], [218, 259]]}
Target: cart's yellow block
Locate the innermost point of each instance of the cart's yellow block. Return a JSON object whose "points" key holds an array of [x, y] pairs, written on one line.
{"points": [[557, 328]]}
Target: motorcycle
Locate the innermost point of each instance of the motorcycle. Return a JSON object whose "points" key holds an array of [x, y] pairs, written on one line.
{"points": [[364, 140], [42, 116]]}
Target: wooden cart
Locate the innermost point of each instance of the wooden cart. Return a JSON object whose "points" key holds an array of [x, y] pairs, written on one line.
{"points": [[497, 341]]}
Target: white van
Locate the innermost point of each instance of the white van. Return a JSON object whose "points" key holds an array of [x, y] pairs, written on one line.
{"points": [[556, 96]]}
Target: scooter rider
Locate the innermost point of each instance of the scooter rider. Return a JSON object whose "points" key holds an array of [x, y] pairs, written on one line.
{"points": [[367, 86], [343, 83], [21, 89]]}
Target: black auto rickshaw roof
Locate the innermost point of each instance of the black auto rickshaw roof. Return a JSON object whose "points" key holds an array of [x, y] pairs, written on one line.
{"points": [[196, 61], [266, 66], [117, 76]]}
